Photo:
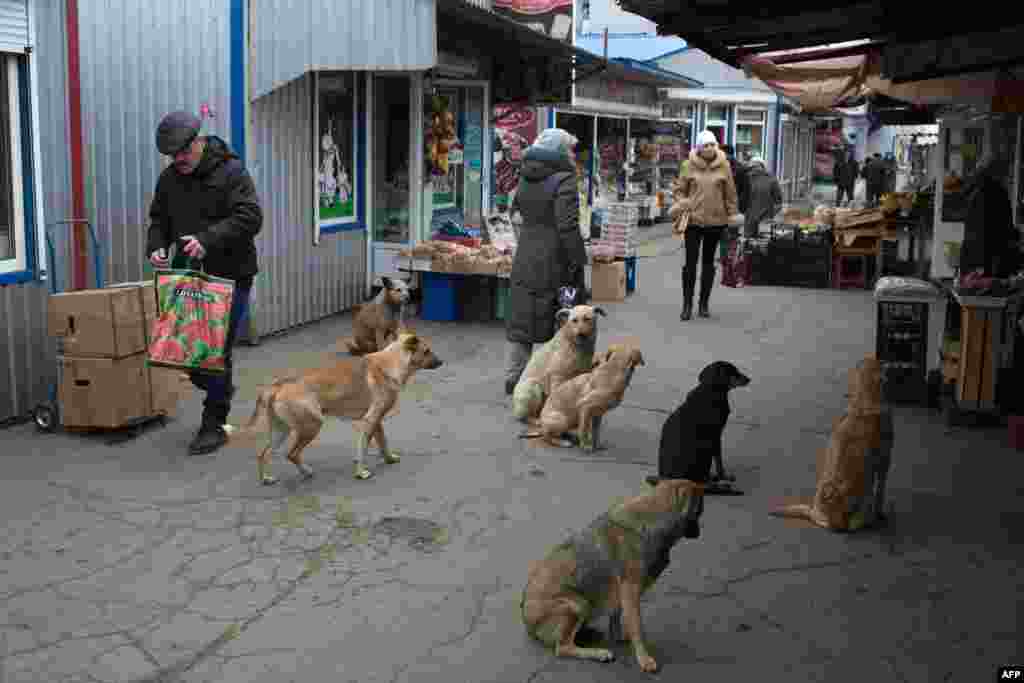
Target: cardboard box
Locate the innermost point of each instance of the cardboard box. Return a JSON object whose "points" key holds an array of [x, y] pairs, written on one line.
{"points": [[147, 290], [103, 392], [167, 387], [608, 282], [108, 323]]}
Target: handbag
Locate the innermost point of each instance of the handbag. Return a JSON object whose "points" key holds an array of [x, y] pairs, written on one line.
{"points": [[682, 222], [193, 319]]}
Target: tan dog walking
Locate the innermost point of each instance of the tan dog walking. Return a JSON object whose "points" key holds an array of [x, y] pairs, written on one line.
{"points": [[605, 568], [582, 402], [365, 390]]}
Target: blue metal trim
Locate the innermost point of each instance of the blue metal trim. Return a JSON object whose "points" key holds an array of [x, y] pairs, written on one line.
{"points": [[670, 54], [31, 271], [777, 156], [551, 117], [645, 67], [237, 76], [730, 118], [360, 183]]}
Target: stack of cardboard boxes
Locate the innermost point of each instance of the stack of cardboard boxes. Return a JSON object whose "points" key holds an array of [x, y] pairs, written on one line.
{"points": [[619, 236], [102, 336]]}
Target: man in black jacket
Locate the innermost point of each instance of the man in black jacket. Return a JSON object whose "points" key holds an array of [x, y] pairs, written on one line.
{"points": [[205, 203]]}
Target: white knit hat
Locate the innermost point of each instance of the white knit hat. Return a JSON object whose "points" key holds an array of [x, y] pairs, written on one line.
{"points": [[706, 137]]}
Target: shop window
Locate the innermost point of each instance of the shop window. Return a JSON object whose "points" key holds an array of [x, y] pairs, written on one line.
{"points": [[677, 111], [454, 153], [14, 242], [750, 134], [391, 149], [682, 114], [718, 121], [337, 125]]}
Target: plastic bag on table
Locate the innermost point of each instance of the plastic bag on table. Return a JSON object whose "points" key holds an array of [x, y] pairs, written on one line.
{"points": [[905, 287]]}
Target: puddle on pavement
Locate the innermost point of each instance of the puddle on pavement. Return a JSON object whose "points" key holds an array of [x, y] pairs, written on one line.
{"points": [[422, 534], [325, 554], [418, 391], [344, 515], [295, 511]]}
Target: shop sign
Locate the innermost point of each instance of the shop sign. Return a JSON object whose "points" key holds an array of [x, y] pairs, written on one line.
{"points": [[553, 18]]}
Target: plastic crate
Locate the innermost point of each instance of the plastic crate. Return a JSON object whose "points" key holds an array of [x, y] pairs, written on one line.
{"points": [[441, 296], [501, 296], [902, 350]]}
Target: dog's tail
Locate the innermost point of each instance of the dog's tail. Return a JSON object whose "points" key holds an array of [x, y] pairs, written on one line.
{"points": [[259, 422], [797, 511]]}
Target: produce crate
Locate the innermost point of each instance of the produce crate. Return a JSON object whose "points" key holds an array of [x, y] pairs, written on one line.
{"points": [[441, 296]]}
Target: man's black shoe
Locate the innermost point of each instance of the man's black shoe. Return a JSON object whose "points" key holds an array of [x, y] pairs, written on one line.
{"points": [[208, 440]]}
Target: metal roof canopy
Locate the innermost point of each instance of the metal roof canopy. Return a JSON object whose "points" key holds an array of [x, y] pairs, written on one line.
{"points": [[729, 31]]}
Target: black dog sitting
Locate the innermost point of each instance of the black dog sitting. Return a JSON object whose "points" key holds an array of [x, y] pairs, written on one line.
{"points": [[691, 438]]}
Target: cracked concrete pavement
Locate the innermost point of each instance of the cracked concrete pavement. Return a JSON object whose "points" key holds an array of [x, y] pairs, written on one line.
{"points": [[138, 563]]}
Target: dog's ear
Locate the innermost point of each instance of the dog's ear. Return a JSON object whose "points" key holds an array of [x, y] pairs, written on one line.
{"points": [[386, 281], [563, 314], [410, 342], [600, 311], [716, 373]]}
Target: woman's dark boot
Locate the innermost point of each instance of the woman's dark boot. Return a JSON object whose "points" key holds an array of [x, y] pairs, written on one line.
{"points": [[707, 281], [689, 284]]}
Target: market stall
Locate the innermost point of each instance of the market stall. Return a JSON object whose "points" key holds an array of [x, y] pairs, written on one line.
{"points": [[644, 168]]}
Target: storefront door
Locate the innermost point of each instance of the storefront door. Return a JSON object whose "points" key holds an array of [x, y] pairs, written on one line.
{"points": [[393, 169], [458, 160]]}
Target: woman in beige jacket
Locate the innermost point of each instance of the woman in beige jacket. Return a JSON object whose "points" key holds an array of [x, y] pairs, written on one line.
{"points": [[708, 194]]}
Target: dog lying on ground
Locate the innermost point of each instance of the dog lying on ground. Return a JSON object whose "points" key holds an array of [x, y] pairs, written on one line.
{"points": [[363, 389], [581, 402], [567, 354], [697, 426], [854, 468], [377, 322], [605, 568]]}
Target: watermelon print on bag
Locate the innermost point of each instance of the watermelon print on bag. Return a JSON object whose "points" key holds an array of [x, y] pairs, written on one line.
{"points": [[194, 313]]}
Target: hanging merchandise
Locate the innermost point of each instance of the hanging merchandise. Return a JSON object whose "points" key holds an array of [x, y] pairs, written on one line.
{"points": [[440, 137]]}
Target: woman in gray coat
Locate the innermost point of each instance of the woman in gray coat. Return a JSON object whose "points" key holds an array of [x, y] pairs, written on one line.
{"points": [[550, 252]]}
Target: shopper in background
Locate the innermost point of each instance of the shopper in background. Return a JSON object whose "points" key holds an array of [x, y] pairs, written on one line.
{"points": [[739, 177], [874, 177], [765, 197], [707, 193], [550, 251], [990, 238], [847, 171], [206, 203]]}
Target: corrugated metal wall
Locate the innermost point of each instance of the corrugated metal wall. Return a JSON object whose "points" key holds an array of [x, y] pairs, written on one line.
{"points": [[13, 25], [299, 282], [140, 61], [292, 37], [27, 365]]}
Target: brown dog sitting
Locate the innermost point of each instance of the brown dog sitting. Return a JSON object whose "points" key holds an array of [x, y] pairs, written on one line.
{"points": [[853, 469], [376, 323], [605, 568], [365, 390], [567, 354], [582, 402]]}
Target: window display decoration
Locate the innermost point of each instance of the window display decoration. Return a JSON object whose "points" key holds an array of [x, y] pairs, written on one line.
{"points": [[515, 129], [442, 149], [336, 149]]}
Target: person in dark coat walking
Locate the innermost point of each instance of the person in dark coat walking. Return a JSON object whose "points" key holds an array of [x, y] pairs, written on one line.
{"points": [[990, 238], [765, 196], [847, 171], [550, 251], [874, 175], [205, 202], [739, 177]]}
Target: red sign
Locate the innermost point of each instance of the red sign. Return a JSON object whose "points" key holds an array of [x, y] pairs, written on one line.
{"points": [[532, 6]]}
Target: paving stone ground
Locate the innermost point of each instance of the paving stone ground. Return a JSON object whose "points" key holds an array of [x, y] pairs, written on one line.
{"points": [[138, 563]]}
